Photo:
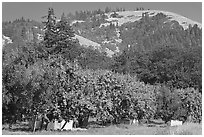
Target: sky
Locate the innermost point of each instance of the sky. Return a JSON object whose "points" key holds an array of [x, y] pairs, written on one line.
{"points": [[35, 10]]}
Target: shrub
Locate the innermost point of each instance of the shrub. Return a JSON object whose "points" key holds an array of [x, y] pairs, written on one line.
{"points": [[179, 104]]}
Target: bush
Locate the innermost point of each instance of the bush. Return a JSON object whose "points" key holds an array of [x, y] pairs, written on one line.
{"points": [[179, 104], [117, 96], [192, 103]]}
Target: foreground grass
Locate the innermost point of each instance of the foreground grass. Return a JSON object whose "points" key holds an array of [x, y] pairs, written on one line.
{"points": [[186, 129], [189, 129]]}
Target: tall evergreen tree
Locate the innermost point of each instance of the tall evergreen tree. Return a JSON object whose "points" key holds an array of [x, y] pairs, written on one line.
{"points": [[50, 29], [65, 34]]}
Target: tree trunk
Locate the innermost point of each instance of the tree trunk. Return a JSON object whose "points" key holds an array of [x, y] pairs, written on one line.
{"points": [[34, 127], [83, 121]]}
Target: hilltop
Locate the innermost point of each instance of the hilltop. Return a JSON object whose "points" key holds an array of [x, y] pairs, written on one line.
{"points": [[110, 29], [108, 32]]}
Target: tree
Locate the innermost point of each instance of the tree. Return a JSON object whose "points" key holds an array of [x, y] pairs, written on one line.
{"points": [[50, 29], [168, 103], [93, 59], [64, 36], [23, 33], [178, 104], [59, 37], [107, 9]]}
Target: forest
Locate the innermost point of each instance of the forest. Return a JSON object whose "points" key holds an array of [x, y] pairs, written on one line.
{"points": [[158, 74]]}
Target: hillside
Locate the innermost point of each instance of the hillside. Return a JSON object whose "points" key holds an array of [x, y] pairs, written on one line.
{"points": [[132, 16], [86, 42], [111, 30], [108, 32]]}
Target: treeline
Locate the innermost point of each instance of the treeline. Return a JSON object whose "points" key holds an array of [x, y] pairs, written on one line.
{"points": [[22, 30], [83, 15]]}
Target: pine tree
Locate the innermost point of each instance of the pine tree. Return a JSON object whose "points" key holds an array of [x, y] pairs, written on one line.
{"points": [[65, 34], [50, 29], [59, 37]]}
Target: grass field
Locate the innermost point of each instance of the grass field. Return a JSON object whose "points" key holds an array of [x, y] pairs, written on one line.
{"points": [[122, 129]]}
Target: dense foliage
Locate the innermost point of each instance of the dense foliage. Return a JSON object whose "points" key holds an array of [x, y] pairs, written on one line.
{"points": [[177, 67], [57, 75], [159, 52], [69, 92], [179, 104]]}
